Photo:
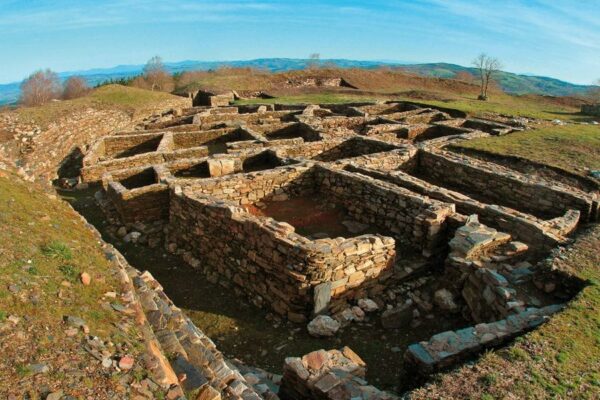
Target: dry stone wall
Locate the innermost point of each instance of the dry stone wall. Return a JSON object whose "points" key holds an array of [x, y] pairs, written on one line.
{"points": [[412, 219], [266, 260], [540, 234], [506, 187]]}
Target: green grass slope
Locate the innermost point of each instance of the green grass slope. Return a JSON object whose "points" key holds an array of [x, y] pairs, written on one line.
{"points": [[508, 81], [128, 99], [44, 247], [575, 148], [560, 360]]}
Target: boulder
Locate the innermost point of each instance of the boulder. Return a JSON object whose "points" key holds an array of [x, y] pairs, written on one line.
{"points": [[323, 326], [444, 299], [368, 305]]}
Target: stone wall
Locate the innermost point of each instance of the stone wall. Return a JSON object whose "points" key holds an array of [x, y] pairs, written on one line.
{"points": [[94, 173], [266, 260], [506, 187], [121, 146], [591, 109], [402, 158], [448, 348], [277, 183], [540, 234], [354, 147], [328, 375], [412, 219], [149, 203]]}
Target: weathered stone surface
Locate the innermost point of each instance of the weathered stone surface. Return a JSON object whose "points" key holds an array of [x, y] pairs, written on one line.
{"points": [[447, 348], [445, 300], [323, 325]]}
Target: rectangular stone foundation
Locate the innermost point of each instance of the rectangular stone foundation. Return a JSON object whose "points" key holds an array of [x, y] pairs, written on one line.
{"points": [[274, 266]]}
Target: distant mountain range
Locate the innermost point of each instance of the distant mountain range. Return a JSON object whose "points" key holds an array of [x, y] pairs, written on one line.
{"points": [[510, 82]]}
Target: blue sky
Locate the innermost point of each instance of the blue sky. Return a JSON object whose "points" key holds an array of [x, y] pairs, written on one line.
{"points": [[558, 38]]}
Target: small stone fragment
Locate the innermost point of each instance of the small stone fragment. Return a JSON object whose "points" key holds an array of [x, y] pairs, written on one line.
{"points": [[126, 362], [85, 278]]}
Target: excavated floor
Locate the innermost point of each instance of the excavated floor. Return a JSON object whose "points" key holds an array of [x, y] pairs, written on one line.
{"points": [[253, 335], [312, 216]]}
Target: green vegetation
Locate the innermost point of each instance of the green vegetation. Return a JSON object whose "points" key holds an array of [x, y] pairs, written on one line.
{"points": [[128, 99], [518, 106], [57, 250], [44, 247], [510, 82], [498, 103], [560, 360], [571, 147], [320, 98]]}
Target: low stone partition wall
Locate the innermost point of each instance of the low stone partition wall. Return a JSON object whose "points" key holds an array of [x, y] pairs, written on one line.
{"points": [[541, 235], [94, 172], [401, 158], [307, 150], [425, 116], [265, 118], [266, 260], [148, 203], [530, 167], [275, 184], [354, 147], [125, 146], [504, 186], [335, 126], [185, 140], [412, 219], [446, 349], [288, 130], [328, 375]]}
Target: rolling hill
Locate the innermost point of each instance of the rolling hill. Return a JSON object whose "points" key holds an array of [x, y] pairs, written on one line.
{"points": [[510, 82]]}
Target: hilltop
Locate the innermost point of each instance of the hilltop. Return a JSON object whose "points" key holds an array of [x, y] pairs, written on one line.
{"points": [[508, 81]]}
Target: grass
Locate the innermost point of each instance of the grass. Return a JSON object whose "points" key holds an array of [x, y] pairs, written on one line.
{"points": [[44, 246], [57, 250], [320, 98], [497, 104], [510, 105], [560, 360], [128, 99], [574, 148]]}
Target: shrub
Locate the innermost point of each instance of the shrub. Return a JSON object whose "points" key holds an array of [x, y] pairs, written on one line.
{"points": [[40, 87], [75, 87]]}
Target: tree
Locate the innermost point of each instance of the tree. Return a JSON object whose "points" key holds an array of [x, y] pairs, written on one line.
{"points": [[314, 60], [487, 67], [75, 87], [156, 75], [40, 87]]}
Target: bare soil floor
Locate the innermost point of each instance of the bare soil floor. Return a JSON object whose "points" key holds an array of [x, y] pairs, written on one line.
{"points": [[252, 335], [312, 215]]}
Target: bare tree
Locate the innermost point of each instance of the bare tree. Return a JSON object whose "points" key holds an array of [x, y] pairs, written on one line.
{"points": [[75, 87], [40, 87], [487, 67], [157, 76], [314, 60]]}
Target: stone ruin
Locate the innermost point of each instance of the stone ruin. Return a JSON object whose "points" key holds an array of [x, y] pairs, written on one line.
{"points": [[591, 109], [319, 212]]}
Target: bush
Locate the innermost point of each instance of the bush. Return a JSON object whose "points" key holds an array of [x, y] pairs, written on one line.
{"points": [[40, 87], [75, 87]]}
